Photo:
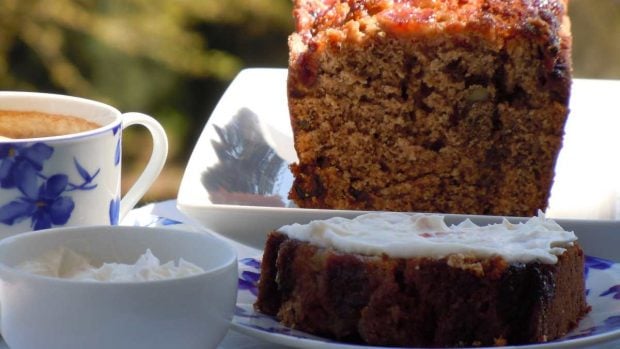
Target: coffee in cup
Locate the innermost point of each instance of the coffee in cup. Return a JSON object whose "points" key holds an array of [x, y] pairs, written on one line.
{"points": [[17, 124], [60, 163]]}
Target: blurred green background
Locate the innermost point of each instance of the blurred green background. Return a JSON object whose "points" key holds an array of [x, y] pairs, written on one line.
{"points": [[174, 59]]}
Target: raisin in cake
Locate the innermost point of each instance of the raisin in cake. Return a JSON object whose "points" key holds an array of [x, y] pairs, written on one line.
{"points": [[393, 279], [428, 105]]}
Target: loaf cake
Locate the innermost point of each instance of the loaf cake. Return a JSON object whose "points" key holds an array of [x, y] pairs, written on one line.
{"points": [[392, 279], [454, 106]]}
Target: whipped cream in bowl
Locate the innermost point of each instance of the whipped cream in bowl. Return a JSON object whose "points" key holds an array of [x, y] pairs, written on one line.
{"points": [[106, 286], [68, 264]]}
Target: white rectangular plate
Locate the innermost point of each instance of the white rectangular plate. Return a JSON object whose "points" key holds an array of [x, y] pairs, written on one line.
{"points": [[237, 179]]}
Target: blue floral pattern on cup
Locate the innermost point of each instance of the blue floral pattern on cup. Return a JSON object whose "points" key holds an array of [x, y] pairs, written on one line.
{"points": [[19, 159], [41, 198], [115, 206]]}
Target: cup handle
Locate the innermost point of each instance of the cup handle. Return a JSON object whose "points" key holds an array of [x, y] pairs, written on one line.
{"points": [[153, 167]]}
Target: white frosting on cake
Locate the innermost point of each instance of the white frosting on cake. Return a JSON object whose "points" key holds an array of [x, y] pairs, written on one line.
{"points": [[402, 235]]}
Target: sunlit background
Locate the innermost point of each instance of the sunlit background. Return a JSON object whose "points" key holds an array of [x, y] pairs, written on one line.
{"points": [[173, 59]]}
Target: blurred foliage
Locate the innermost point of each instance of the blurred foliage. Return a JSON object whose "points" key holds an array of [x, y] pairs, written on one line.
{"points": [[160, 30], [170, 59], [596, 38]]}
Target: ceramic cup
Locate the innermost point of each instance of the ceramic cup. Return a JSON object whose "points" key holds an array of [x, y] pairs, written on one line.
{"points": [[68, 179], [191, 312]]}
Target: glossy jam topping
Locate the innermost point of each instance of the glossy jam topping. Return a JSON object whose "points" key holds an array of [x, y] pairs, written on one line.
{"points": [[498, 17]]}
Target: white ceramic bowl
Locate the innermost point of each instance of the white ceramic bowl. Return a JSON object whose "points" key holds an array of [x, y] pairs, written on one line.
{"points": [[46, 312]]}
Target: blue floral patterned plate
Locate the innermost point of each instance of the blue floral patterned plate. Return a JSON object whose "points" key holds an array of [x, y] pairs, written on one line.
{"points": [[601, 325]]}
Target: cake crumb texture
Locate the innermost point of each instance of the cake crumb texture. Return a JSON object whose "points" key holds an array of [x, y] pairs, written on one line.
{"points": [[453, 106], [420, 302]]}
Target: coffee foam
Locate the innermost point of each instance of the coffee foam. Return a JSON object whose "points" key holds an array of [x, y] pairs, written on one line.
{"points": [[33, 124]]}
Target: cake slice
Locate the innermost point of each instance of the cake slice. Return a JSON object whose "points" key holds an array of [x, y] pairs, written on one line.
{"points": [[392, 279], [454, 106]]}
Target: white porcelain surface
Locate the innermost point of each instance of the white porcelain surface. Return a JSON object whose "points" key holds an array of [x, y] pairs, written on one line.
{"points": [[237, 179], [45, 312], [71, 179]]}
